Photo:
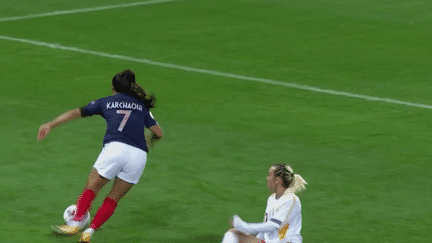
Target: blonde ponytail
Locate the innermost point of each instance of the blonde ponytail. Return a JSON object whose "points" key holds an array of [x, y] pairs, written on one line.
{"points": [[292, 182], [298, 184]]}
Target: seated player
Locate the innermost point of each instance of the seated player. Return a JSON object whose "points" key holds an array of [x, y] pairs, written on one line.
{"points": [[282, 221]]}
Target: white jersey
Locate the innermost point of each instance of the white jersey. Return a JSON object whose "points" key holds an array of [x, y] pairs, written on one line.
{"points": [[286, 212]]}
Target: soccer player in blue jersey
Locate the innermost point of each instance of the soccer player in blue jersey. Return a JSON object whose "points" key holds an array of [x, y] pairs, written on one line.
{"points": [[124, 152]]}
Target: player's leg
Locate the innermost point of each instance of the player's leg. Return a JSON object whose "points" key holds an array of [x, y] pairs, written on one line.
{"points": [[230, 237], [244, 238], [119, 189], [129, 175], [95, 181], [107, 166], [235, 236], [94, 184]]}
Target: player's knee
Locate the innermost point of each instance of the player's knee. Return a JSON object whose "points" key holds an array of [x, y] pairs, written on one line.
{"points": [[230, 236]]}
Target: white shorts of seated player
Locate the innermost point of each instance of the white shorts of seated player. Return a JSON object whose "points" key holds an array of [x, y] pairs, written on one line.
{"points": [[121, 160]]}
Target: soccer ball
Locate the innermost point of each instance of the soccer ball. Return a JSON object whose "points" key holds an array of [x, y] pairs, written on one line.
{"points": [[69, 214]]}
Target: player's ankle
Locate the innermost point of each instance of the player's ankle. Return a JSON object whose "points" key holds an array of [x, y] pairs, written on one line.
{"points": [[89, 230]]}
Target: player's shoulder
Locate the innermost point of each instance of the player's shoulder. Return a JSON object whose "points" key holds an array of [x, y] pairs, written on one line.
{"points": [[271, 198], [290, 196], [94, 102], [114, 97], [120, 97], [98, 100]]}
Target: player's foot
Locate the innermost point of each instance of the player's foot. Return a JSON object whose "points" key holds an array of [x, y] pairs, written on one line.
{"points": [[65, 229], [86, 235]]}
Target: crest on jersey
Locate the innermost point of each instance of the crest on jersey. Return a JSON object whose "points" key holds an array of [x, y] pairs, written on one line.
{"points": [[283, 231]]}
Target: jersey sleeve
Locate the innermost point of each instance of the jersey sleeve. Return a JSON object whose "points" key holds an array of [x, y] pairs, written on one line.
{"points": [[92, 108], [260, 235], [253, 228], [149, 120], [283, 212]]}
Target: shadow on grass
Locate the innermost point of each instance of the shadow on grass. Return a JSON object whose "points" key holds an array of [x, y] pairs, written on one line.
{"points": [[212, 238], [61, 238], [56, 237]]}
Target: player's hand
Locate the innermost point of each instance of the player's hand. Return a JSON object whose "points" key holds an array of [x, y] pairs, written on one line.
{"points": [[43, 131], [239, 224]]}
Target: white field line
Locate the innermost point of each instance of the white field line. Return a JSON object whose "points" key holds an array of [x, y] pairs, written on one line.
{"points": [[216, 73], [84, 10]]}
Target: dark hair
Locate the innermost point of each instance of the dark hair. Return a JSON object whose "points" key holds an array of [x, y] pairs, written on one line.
{"points": [[124, 82], [285, 172]]}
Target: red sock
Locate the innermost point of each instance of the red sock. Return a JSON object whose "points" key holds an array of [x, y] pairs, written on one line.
{"points": [[83, 203], [104, 213]]}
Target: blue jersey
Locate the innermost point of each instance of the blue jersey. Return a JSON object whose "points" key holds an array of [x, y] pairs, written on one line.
{"points": [[125, 116]]}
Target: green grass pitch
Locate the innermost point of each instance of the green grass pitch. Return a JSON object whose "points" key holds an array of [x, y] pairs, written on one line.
{"points": [[368, 164]]}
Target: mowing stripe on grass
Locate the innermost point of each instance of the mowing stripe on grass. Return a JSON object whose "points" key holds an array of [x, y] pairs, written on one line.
{"points": [[216, 73], [124, 5]]}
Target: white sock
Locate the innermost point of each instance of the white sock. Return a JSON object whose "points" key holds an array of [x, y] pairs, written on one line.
{"points": [[89, 230], [230, 237]]}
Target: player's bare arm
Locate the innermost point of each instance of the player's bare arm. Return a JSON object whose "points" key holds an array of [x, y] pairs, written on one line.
{"points": [[283, 209], [64, 118], [156, 134], [157, 131], [124, 153]]}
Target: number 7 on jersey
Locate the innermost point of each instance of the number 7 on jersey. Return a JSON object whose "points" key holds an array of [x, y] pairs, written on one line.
{"points": [[126, 114]]}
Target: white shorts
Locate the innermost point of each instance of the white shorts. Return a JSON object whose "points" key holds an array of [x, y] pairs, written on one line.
{"points": [[121, 160]]}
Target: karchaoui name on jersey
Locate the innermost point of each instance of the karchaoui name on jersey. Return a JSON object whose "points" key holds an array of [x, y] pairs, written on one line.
{"points": [[123, 105]]}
